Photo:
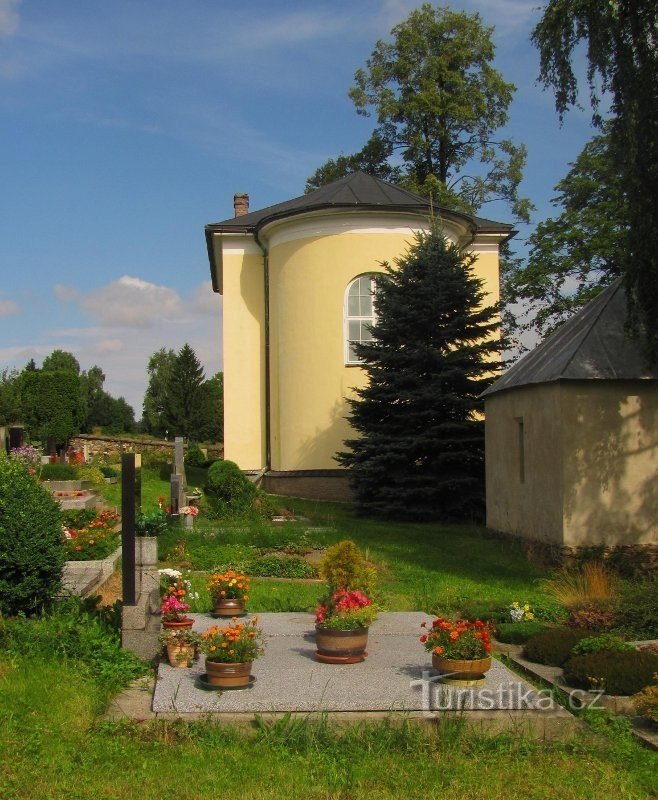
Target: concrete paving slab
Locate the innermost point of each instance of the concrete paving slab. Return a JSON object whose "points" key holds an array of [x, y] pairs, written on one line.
{"points": [[396, 677]]}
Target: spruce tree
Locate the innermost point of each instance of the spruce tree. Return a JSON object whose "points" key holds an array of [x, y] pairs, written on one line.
{"points": [[434, 349], [184, 396]]}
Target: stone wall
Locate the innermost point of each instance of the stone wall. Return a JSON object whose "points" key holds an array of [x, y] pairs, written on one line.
{"points": [[114, 446]]}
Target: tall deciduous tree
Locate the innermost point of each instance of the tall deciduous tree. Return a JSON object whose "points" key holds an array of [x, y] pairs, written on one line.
{"points": [[160, 367], [621, 37], [421, 448], [580, 251], [439, 104]]}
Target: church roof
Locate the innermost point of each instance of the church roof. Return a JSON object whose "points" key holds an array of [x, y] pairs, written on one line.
{"points": [[592, 345], [356, 190]]}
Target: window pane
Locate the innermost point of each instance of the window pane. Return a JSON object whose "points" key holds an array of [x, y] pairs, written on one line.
{"points": [[366, 335], [354, 330], [366, 305], [353, 307]]}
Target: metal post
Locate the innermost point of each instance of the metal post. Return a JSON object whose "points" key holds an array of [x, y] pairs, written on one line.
{"points": [[131, 501]]}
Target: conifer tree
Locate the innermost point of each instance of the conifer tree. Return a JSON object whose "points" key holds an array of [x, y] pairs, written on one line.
{"points": [[434, 350]]}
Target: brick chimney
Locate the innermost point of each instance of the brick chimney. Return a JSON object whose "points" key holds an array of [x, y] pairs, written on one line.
{"points": [[241, 204]]}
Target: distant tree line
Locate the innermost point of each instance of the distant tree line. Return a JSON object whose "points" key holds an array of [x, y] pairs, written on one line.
{"points": [[59, 400]]}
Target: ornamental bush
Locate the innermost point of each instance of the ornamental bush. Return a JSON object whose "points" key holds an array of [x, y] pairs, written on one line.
{"points": [[519, 632], [228, 491], [281, 566], [613, 671], [31, 552], [553, 647], [58, 472]]}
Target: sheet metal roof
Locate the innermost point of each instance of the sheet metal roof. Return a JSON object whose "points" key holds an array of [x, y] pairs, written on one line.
{"points": [[592, 345], [357, 190]]}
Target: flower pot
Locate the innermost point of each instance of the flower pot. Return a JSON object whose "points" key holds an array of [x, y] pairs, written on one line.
{"points": [[177, 625], [146, 551], [227, 607], [228, 675], [180, 655], [341, 647], [462, 669]]}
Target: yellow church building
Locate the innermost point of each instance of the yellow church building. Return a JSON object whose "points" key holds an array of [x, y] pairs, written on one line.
{"points": [[296, 281]]}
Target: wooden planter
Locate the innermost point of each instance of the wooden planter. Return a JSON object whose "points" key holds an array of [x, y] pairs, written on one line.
{"points": [[341, 647], [462, 669]]}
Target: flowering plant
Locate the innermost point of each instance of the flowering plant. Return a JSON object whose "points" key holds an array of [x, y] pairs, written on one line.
{"points": [[184, 511], [520, 613], [89, 535], [173, 609], [346, 610], [458, 640], [233, 644], [228, 585], [173, 583], [28, 456], [181, 637]]}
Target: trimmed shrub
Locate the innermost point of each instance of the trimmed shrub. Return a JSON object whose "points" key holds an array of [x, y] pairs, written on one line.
{"points": [[638, 608], [88, 472], [612, 671], [487, 612], [593, 617], [228, 491], [553, 647], [194, 457], [279, 566], [595, 644], [518, 632], [646, 702], [31, 553], [58, 472], [109, 472]]}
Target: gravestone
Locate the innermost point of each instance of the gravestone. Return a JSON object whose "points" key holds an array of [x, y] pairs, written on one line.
{"points": [[178, 480]]}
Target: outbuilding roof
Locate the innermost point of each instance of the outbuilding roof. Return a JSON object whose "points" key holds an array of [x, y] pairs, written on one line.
{"points": [[356, 190], [592, 345]]}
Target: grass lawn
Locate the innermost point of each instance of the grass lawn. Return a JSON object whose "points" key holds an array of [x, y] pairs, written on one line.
{"points": [[53, 746], [57, 672]]}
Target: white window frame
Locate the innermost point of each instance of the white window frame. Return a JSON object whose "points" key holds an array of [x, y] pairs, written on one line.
{"points": [[369, 319]]}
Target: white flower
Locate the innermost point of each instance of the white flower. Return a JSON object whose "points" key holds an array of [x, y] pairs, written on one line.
{"points": [[170, 573]]}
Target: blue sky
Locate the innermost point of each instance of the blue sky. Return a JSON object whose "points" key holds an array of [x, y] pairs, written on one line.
{"points": [[128, 125]]}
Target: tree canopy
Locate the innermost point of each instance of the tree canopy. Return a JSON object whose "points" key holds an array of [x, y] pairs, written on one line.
{"points": [[421, 448], [439, 104], [575, 254], [621, 38]]}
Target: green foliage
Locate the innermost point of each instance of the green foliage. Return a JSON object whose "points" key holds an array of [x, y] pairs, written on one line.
{"points": [[281, 566], [613, 671], [151, 523], [646, 701], [593, 617], [622, 65], [519, 632], [420, 451], [637, 608], [553, 647], [344, 567], [109, 472], [439, 104], [487, 612], [91, 473], [605, 641], [160, 368], [73, 630], [194, 457], [10, 397], [61, 361], [31, 555], [228, 491], [52, 404], [58, 472], [184, 400], [576, 254]]}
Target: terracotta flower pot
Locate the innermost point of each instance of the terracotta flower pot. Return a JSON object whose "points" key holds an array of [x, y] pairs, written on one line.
{"points": [[228, 675], [178, 625], [469, 667], [180, 655], [225, 607], [341, 647]]}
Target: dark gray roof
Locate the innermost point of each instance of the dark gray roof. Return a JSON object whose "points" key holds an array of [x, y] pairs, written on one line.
{"points": [[592, 345], [356, 190]]}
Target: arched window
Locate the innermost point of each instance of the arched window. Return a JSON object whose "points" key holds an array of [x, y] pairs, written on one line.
{"points": [[359, 314]]}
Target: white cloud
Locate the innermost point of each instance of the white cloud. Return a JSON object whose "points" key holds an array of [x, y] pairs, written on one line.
{"points": [[8, 308], [131, 302], [9, 19], [204, 301], [65, 293]]}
